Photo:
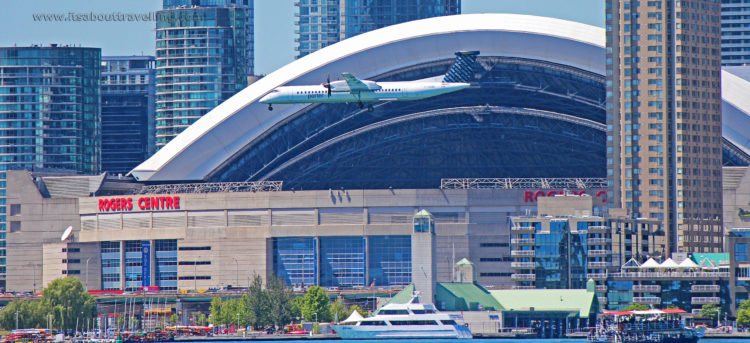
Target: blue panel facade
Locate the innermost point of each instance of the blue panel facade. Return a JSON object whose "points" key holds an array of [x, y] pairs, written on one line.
{"points": [[389, 260], [133, 265], [295, 260], [165, 264], [342, 261], [110, 258]]}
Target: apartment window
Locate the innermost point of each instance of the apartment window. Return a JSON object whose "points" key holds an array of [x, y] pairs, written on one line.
{"points": [[15, 226], [15, 209]]}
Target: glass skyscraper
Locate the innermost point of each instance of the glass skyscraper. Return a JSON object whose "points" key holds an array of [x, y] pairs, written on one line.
{"points": [[735, 32], [128, 111], [324, 22], [49, 114], [204, 55]]}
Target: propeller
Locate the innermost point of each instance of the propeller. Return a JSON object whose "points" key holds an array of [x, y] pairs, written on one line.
{"points": [[327, 85]]}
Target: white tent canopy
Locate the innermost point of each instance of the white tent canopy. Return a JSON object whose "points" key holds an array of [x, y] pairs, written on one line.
{"points": [[354, 317], [688, 263], [650, 263], [669, 263]]}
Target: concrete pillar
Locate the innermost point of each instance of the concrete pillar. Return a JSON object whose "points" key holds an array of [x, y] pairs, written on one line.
{"points": [[423, 268]]}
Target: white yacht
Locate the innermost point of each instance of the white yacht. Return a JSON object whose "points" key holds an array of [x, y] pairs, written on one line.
{"points": [[410, 320]]}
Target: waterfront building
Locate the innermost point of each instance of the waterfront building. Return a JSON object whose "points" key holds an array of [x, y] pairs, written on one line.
{"points": [[50, 114], [664, 117], [735, 32], [204, 55], [738, 241], [128, 111], [325, 22]]}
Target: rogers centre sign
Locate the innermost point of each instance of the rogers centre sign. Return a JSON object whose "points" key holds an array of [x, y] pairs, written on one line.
{"points": [[144, 203], [531, 196]]}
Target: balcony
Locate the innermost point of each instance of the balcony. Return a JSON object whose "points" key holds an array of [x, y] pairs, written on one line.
{"points": [[598, 241], [523, 265], [598, 229], [523, 277], [522, 241], [705, 300], [601, 288], [646, 300], [522, 229], [523, 287], [598, 253], [704, 288], [602, 300], [597, 276], [522, 253], [599, 264], [647, 288]]}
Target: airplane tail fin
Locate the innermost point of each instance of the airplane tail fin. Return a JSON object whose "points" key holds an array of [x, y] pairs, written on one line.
{"points": [[462, 69]]}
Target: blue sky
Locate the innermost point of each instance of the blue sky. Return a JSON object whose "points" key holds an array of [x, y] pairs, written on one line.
{"points": [[274, 24]]}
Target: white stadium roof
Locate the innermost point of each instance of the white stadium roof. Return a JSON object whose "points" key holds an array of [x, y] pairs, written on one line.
{"points": [[224, 131], [239, 121]]}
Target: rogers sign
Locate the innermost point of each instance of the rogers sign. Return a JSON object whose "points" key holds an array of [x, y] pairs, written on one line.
{"points": [[144, 203], [531, 196]]}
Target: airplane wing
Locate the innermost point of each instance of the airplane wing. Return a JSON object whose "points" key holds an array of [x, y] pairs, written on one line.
{"points": [[354, 83]]}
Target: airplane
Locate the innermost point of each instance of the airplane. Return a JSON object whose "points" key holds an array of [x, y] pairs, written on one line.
{"points": [[352, 89]]}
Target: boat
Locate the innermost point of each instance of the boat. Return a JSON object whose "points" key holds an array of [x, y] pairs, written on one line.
{"points": [[400, 321], [647, 326], [30, 335]]}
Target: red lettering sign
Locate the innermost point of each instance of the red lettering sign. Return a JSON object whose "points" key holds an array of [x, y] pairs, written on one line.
{"points": [[144, 203], [531, 196]]}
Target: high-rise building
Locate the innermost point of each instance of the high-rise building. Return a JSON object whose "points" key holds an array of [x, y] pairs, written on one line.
{"points": [[324, 22], [664, 117], [735, 32], [128, 111], [49, 111], [204, 55]]}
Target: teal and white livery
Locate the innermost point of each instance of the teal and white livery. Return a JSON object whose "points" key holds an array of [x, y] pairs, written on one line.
{"points": [[398, 321]]}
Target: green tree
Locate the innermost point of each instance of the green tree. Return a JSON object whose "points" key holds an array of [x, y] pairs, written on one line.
{"points": [[279, 299], [744, 305], [710, 311], [31, 314], [173, 320], [338, 310], [315, 301], [199, 318], [636, 307], [296, 307], [257, 304], [743, 318], [215, 309], [353, 308], [66, 299]]}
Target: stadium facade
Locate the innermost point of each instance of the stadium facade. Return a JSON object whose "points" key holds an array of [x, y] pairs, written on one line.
{"points": [[352, 179]]}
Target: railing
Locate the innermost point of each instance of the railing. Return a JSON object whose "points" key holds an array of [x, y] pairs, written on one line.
{"points": [[522, 241], [704, 288], [523, 253], [522, 228], [523, 287], [212, 187], [602, 300], [601, 288], [646, 300], [523, 277], [599, 264], [597, 276], [523, 265], [674, 274], [705, 300], [597, 241], [598, 253], [647, 288], [522, 183]]}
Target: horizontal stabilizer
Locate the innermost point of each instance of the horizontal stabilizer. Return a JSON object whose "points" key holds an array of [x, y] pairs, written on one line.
{"points": [[462, 69]]}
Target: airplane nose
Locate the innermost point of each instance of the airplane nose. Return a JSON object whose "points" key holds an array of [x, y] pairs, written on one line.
{"points": [[266, 98]]}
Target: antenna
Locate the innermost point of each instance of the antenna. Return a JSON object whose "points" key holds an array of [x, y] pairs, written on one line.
{"points": [[67, 233]]}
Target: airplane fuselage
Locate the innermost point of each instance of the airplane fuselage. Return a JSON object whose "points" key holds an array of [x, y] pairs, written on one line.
{"points": [[388, 91]]}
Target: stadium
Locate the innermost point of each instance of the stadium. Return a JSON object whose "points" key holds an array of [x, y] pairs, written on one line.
{"points": [[326, 193]]}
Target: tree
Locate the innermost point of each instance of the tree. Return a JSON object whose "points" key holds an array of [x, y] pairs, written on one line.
{"points": [[315, 301], [66, 299], [744, 305], [338, 310], [30, 315], [257, 304], [710, 311], [355, 307], [199, 318], [279, 298], [743, 318], [636, 307]]}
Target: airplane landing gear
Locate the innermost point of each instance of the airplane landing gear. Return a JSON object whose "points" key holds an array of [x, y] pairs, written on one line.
{"points": [[369, 108], [270, 108], [360, 105]]}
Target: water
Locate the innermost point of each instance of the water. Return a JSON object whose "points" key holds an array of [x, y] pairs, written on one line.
{"points": [[482, 340]]}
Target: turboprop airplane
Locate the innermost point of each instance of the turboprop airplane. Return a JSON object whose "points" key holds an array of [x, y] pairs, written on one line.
{"points": [[352, 89]]}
